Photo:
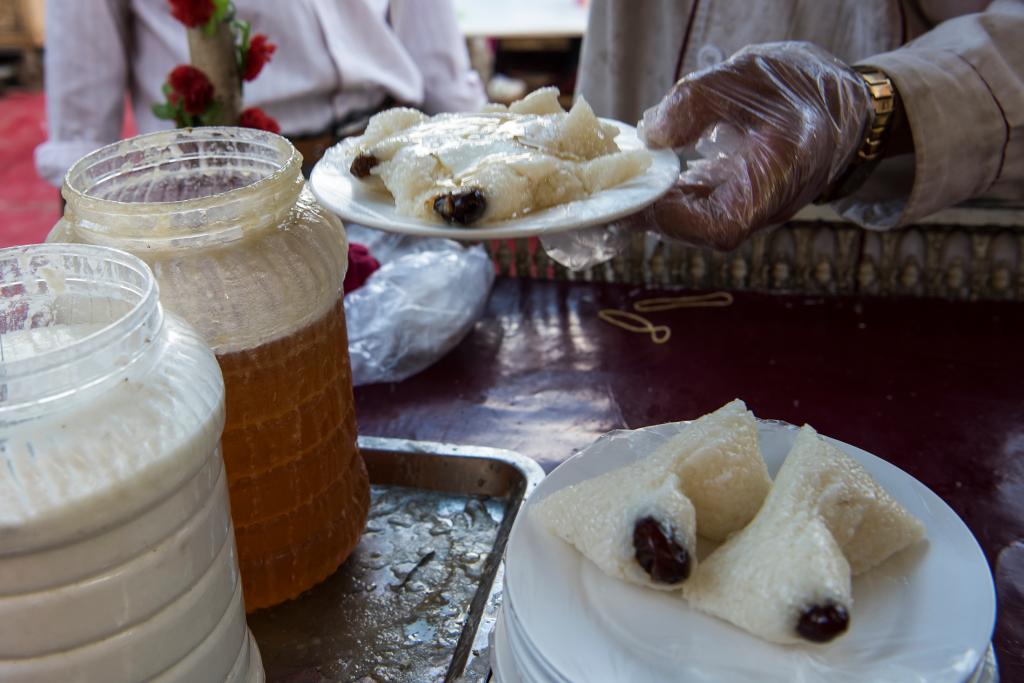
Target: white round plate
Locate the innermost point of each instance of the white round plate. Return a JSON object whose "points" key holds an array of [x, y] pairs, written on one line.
{"points": [[355, 201], [926, 614], [503, 666]]}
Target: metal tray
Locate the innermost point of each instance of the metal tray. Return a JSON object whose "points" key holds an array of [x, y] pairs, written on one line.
{"points": [[419, 595]]}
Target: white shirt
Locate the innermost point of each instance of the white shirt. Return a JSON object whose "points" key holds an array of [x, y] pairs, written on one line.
{"points": [[333, 57]]}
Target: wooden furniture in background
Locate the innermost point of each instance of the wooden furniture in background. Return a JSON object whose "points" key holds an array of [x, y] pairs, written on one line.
{"points": [[22, 29]]}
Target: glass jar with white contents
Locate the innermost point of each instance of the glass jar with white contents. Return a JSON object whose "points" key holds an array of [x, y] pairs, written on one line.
{"points": [[117, 558]]}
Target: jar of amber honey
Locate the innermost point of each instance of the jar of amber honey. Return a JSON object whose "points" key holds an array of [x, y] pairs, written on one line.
{"points": [[242, 251]]}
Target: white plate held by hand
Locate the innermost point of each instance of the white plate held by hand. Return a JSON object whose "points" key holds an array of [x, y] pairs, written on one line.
{"points": [[353, 200], [924, 615]]}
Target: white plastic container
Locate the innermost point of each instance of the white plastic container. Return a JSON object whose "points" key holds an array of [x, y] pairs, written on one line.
{"points": [[117, 557]]}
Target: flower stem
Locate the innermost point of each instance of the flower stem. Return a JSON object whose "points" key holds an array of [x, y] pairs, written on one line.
{"points": [[215, 55]]}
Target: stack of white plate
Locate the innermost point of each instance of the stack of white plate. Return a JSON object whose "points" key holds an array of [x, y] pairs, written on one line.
{"points": [[927, 614]]}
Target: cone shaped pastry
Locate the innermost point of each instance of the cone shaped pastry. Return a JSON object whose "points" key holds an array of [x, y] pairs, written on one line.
{"points": [[786, 576], [625, 519], [720, 469], [639, 523]]}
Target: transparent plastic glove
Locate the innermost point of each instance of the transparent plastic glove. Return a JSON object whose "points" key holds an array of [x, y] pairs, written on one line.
{"points": [[774, 125]]}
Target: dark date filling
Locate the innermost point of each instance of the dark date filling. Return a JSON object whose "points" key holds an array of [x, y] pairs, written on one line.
{"points": [[658, 552], [822, 623], [461, 207], [362, 165]]}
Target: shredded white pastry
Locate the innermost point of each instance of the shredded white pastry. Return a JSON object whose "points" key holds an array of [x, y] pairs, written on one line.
{"points": [[494, 165]]}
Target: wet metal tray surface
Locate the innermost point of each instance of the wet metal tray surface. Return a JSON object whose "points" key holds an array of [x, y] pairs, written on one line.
{"points": [[416, 600]]}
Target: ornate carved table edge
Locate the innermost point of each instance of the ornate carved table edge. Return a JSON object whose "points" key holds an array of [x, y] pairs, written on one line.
{"points": [[974, 251]]}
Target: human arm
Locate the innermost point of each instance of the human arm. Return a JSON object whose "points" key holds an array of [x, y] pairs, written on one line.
{"points": [[86, 79], [775, 125], [430, 33], [960, 87]]}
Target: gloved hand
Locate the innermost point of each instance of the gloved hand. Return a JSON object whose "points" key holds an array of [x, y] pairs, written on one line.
{"points": [[775, 124]]}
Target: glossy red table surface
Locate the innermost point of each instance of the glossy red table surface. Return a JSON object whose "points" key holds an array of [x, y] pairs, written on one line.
{"points": [[934, 387]]}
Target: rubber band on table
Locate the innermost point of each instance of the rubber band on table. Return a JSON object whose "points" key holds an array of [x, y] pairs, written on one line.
{"points": [[670, 303], [633, 322], [660, 334]]}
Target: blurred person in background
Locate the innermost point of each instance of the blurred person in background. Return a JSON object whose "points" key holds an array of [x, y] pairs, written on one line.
{"points": [[337, 63], [891, 109]]}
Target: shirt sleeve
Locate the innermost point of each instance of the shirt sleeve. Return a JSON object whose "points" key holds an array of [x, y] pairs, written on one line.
{"points": [[430, 33], [962, 87], [86, 80]]}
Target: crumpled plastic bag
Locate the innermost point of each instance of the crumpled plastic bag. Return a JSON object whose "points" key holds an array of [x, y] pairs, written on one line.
{"points": [[421, 302], [587, 247]]}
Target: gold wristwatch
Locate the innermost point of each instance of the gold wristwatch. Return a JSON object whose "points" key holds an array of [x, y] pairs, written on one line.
{"points": [[883, 103]]}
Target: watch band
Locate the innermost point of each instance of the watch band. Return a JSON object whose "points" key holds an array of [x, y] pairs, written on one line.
{"points": [[883, 105], [883, 101]]}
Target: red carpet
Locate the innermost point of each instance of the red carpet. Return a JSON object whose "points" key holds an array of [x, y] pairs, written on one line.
{"points": [[28, 206]]}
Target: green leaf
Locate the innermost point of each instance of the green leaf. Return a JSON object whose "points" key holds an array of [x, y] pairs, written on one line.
{"points": [[163, 110], [221, 9], [166, 89], [244, 28], [211, 115]]}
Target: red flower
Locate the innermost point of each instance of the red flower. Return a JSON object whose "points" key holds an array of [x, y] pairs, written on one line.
{"points": [[192, 13], [191, 87], [361, 266], [254, 117], [260, 50]]}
